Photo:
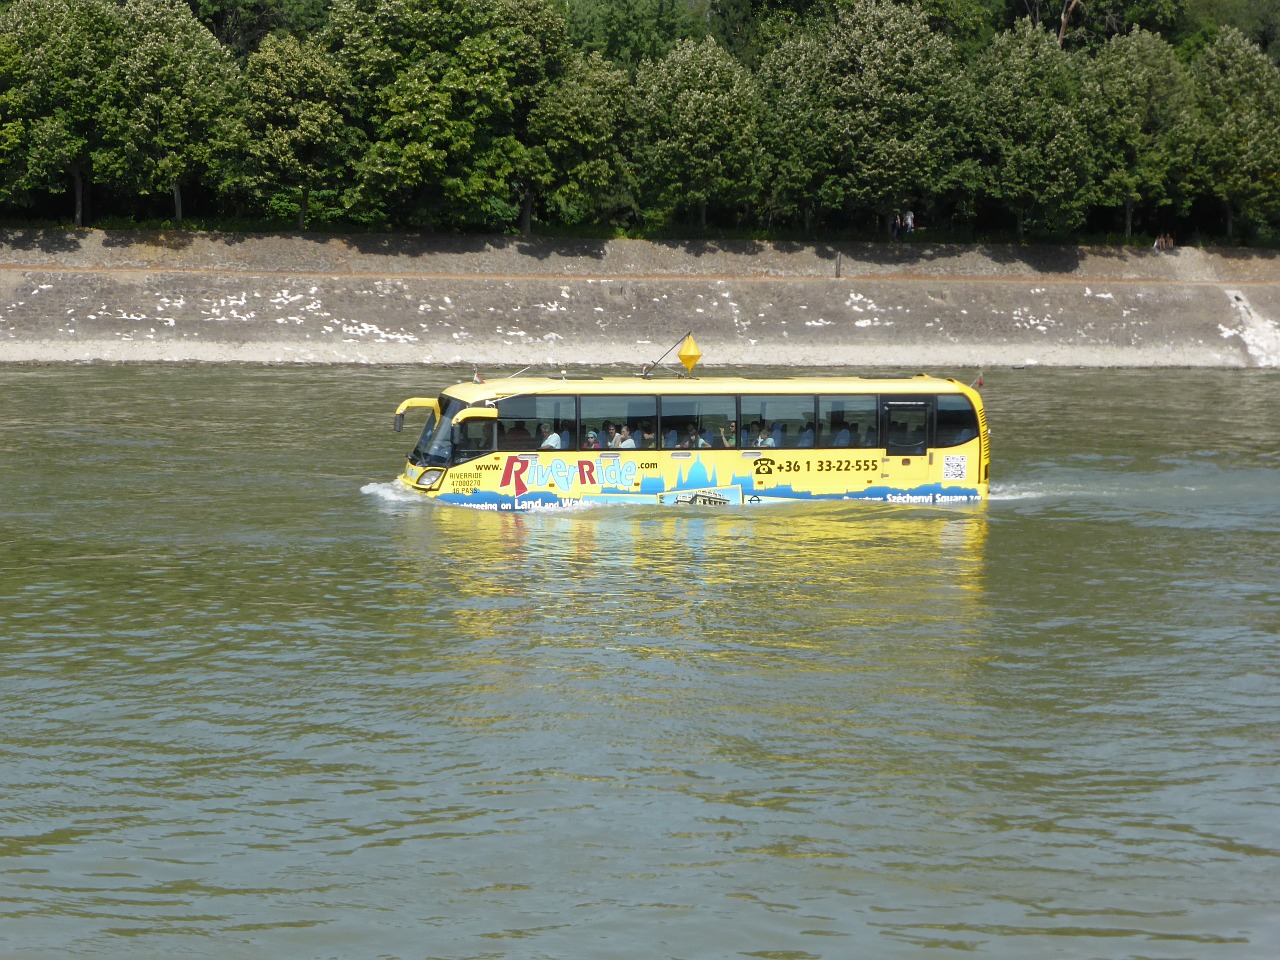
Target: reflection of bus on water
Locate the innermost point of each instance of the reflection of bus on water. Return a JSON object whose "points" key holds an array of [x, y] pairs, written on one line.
{"points": [[523, 443]]}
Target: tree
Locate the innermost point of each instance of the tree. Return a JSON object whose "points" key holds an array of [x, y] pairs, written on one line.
{"points": [[695, 115], [293, 131], [160, 99], [241, 25], [1036, 153], [1238, 91], [443, 86], [55, 53], [575, 162], [1092, 22], [802, 132], [628, 31], [885, 89], [1140, 111]]}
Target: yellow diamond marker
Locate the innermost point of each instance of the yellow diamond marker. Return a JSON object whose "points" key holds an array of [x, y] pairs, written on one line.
{"points": [[689, 353]]}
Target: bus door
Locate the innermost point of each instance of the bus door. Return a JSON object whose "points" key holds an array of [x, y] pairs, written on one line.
{"points": [[906, 433]]}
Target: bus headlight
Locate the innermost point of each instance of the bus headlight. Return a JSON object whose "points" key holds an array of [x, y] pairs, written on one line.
{"points": [[429, 477]]}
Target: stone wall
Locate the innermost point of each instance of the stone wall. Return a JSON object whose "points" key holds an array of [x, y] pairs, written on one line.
{"points": [[502, 301]]}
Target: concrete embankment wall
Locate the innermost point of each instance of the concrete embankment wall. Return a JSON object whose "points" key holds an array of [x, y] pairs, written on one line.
{"points": [[90, 295]]}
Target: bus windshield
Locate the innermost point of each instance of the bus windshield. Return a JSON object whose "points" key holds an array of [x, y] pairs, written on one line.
{"points": [[435, 445]]}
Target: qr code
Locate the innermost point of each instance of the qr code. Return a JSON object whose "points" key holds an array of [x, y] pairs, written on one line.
{"points": [[954, 468]]}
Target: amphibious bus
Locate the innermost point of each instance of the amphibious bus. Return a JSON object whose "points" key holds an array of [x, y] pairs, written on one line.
{"points": [[532, 442]]}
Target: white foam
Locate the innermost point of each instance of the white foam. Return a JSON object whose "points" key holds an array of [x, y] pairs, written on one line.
{"points": [[393, 491]]}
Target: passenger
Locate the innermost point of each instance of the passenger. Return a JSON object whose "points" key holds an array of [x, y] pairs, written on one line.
{"points": [[518, 436], [647, 439], [550, 440], [764, 438], [627, 442], [592, 442], [730, 439], [692, 440], [611, 438]]}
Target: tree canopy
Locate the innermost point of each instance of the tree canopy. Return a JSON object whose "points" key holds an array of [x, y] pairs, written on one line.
{"points": [[805, 116]]}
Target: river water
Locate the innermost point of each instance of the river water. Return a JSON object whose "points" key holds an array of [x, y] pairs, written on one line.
{"points": [[256, 703]]}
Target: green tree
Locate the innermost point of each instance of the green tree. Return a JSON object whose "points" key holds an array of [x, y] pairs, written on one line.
{"points": [[802, 132], [293, 132], [1036, 152], [444, 88], [628, 31], [161, 98], [1094, 21], [895, 88], [1139, 106], [241, 25], [1238, 91], [695, 115], [1259, 20], [575, 162], [55, 53]]}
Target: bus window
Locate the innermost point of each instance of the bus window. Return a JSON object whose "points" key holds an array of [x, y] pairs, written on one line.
{"points": [[608, 415], [780, 421], [904, 424], [435, 446], [473, 439], [847, 421], [697, 422], [520, 420], [957, 421]]}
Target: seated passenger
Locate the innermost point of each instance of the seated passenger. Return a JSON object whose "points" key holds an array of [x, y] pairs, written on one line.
{"points": [[518, 436], [592, 442], [692, 439], [729, 435], [646, 440], [628, 442], [764, 438], [549, 440]]}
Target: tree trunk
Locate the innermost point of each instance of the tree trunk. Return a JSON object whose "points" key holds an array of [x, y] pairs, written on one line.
{"points": [[1231, 220], [526, 213], [77, 186], [702, 214], [1022, 224], [1128, 218], [177, 204], [302, 208], [1067, 9]]}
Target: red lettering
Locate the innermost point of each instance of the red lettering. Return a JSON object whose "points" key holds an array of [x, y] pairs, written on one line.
{"points": [[587, 472], [514, 472]]}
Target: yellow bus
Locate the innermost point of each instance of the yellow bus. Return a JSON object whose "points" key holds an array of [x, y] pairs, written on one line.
{"points": [[533, 442]]}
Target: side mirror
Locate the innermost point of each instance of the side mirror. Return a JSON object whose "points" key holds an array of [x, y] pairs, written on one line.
{"points": [[398, 425]]}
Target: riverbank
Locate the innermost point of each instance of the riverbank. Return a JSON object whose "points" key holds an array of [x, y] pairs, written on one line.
{"points": [[85, 296]]}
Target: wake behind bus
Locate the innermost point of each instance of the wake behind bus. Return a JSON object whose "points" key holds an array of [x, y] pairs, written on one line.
{"points": [[542, 442]]}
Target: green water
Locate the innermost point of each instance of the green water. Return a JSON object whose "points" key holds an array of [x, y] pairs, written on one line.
{"points": [[256, 703]]}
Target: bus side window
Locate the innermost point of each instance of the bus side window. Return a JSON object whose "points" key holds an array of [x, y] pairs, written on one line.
{"points": [[957, 421]]}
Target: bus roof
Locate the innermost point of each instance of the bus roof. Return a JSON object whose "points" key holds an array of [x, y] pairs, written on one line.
{"points": [[575, 385]]}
